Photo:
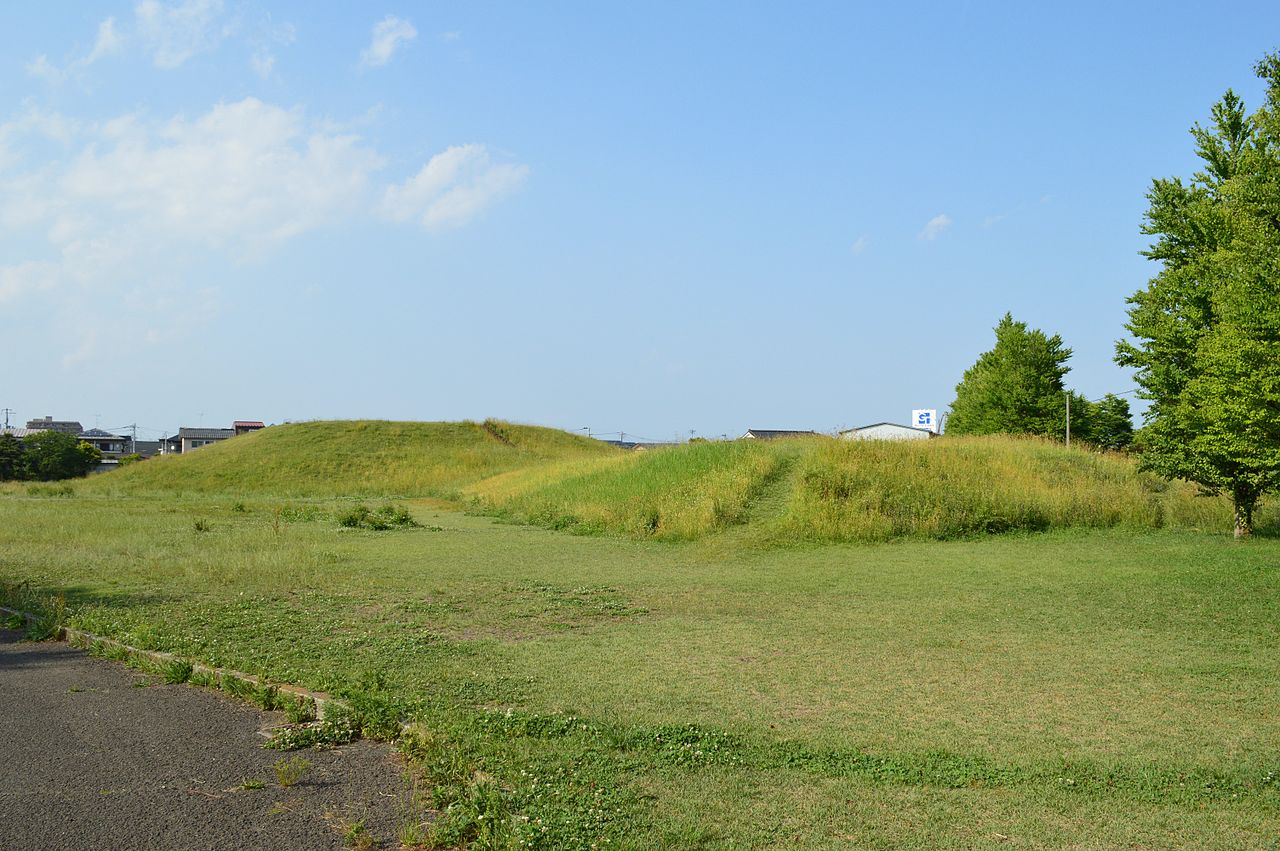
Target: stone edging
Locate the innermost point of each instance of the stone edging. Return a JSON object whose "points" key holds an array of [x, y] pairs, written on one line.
{"points": [[83, 640]]}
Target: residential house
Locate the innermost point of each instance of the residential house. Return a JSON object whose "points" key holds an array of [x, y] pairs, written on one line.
{"points": [[887, 431], [246, 426], [194, 438], [110, 445], [774, 434]]}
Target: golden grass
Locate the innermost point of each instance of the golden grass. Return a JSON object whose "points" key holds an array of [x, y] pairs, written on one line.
{"points": [[948, 488]]}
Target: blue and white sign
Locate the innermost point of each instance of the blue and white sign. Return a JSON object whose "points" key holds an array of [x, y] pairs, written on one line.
{"points": [[925, 418]]}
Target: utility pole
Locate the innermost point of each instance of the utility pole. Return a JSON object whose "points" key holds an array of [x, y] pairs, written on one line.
{"points": [[7, 412]]}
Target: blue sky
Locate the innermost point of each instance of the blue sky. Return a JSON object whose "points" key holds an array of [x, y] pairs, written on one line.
{"points": [[651, 218]]}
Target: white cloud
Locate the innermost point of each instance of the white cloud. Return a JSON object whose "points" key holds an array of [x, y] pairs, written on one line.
{"points": [[452, 188], [859, 245], [175, 32], [388, 35], [935, 227], [136, 209], [245, 172]]}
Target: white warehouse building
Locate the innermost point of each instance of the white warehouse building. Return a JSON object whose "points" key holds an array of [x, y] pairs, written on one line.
{"points": [[886, 431]]}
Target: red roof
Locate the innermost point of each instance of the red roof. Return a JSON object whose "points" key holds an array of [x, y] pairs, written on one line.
{"points": [[248, 424]]}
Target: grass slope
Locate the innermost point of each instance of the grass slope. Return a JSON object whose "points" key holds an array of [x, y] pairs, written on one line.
{"points": [[803, 491], [353, 458], [840, 491]]}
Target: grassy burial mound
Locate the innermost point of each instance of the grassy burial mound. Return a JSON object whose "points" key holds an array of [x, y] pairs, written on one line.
{"points": [[820, 490], [354, 458], [805, 490], [676, 493]]}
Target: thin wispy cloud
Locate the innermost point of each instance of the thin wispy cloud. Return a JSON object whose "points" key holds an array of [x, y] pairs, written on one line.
{"points": [[263, 63], [452, 188], [935, 227], [859, 245], [175, 32], [388, 35], [108, 41]]}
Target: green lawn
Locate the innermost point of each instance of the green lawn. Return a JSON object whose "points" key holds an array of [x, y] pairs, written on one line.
{"points": [[1078, 688]]}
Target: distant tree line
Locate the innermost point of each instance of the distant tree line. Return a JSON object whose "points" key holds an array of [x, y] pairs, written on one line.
{"points": [[45, 456]]}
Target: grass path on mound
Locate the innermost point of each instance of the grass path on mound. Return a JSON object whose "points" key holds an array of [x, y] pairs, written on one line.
{"points": [[734, 695]]}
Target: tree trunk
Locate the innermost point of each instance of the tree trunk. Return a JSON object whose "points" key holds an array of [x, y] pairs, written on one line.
{"points": [[1244, 514]]}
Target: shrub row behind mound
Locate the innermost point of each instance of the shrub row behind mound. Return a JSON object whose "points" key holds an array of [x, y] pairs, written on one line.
{"points": [[957, 487]]}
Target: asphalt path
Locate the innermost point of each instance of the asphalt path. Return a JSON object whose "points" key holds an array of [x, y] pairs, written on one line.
{"points": [[94, 755]]}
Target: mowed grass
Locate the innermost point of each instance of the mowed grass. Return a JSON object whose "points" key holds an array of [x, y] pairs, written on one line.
{"points": [[1086, 688]]}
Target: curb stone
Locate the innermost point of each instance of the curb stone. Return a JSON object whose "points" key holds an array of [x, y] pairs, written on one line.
{"points": [[84, 640]]}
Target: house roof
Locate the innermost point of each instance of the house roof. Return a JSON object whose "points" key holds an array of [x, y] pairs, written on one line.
{"points": [[248, 424], [22, 432], [895, 425], [771, 433], [97, 432], [205, 433]]}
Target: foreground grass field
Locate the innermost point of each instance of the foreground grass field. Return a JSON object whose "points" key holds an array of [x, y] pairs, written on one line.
{"points": [[1087, 688]]}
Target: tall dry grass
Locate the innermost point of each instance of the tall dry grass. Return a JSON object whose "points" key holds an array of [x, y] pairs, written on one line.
{"points": [[956, 487]]}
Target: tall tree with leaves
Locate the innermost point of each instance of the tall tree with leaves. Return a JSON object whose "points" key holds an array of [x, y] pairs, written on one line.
{"points": [[10, 458], [1016, 387], [51, 455], [1206, 330]]}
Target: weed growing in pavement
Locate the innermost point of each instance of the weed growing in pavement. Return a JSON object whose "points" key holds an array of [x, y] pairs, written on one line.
{"points": [[313, 734], [289, 770], [239, 688], [300, 710], [176, 671], [357, 836], [250, 783], [267, 697]]}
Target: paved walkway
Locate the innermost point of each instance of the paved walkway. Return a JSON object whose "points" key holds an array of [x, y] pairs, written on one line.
{"points": [[95, 756]]}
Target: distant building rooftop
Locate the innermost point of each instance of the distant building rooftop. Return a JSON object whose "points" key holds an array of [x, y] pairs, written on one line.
{"points": [[204, 433], [775, 433], [50, 424]]}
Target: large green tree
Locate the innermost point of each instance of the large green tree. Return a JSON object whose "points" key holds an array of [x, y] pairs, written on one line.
{"points": [[1205, 332], [50, 455], [1016, 387], [10, 458]]}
